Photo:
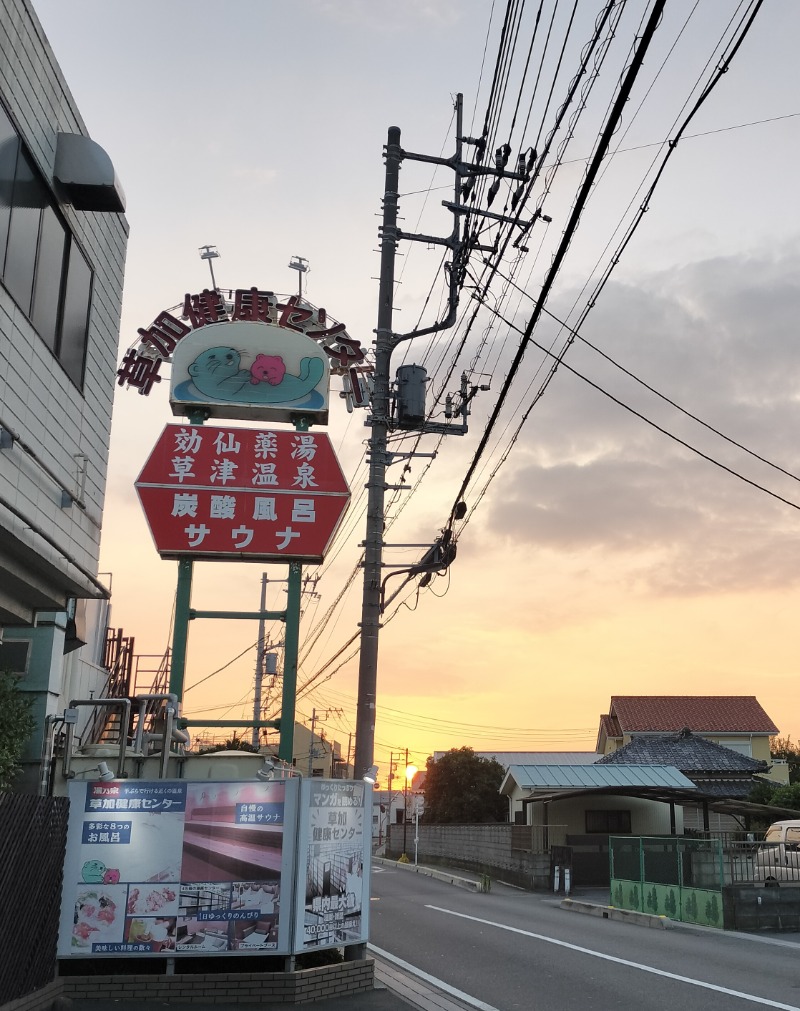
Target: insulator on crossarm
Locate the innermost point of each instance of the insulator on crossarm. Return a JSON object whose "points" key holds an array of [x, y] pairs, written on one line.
{"points": [[501, 156]]}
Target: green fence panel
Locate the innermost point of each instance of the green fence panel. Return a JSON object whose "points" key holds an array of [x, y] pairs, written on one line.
{"points": [[625, 856], [668, 876], [626, 894], [701, 905]]}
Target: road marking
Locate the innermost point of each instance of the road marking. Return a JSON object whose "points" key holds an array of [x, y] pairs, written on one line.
{"points": [[439, 983], [622, 961]]}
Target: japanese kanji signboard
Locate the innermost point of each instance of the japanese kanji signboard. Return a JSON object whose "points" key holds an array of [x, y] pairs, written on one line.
{"points": [[236, 354], [260, 494]]}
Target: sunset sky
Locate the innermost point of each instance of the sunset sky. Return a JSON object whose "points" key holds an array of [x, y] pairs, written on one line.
{"points": [[601, 553]]}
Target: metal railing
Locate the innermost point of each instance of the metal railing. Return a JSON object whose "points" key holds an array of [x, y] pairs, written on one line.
{"points": [[771, 863]]}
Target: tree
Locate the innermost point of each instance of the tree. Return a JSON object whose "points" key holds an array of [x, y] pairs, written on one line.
{"points": [[461, 787], [787, 796], [234, 743], [785, 748], [761, 792], [16, 726]]}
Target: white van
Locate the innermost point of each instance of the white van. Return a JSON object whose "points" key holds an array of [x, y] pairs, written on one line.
{"points": [[778, 858]]}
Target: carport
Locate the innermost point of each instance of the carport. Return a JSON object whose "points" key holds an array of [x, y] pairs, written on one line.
{"points": [[647, 786]]}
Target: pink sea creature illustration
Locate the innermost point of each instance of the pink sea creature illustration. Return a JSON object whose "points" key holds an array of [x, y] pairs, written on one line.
{"points": [[267, 369]]}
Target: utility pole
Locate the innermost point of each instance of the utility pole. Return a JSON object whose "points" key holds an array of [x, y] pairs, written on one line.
{"points": [[311, 745], [405, 806], [373, 546], [254, 740], [323, 716], [385, 342]]}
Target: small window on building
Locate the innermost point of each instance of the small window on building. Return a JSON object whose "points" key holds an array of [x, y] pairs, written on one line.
{"points": [[49, 272], [75, 320], [610, 822], [9, 148], [14, 655], [741, 747], [41, 264], [27, 203]]}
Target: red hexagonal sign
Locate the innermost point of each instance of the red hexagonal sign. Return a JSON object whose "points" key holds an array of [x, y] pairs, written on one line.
{"points": [[246, 493]]}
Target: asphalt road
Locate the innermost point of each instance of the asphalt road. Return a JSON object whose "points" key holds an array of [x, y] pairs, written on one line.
{"points": [[513, 950]]}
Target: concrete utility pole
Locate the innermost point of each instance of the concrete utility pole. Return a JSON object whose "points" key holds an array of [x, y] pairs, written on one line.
{"points": [[322, 716], [376, 487], [385, 342]]}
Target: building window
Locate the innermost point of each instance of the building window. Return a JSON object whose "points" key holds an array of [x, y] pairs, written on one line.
{"points": [[608, 822], [739, 746], [41, 265], [14, 655]]}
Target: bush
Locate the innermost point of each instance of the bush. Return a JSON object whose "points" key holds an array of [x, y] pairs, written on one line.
{"points": [[16, 726]]}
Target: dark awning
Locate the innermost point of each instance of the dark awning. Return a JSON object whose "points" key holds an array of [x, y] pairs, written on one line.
{"points": [[84, 175]]}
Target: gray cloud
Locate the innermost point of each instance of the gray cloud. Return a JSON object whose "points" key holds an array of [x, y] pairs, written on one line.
{"points": [[718, 337]]}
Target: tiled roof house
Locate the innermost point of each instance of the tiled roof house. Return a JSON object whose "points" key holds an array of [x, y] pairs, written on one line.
{"points": [[736, 722], [717, 771]]}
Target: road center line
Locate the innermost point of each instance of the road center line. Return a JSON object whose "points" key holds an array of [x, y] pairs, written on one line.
{"points": [[438, 983], [622, 961]]}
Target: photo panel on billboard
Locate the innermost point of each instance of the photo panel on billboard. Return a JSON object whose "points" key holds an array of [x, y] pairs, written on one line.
{"points": [[178, 867], [333, 864]]}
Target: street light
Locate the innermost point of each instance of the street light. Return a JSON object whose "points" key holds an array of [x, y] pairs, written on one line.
{"points": [[411, 771]]}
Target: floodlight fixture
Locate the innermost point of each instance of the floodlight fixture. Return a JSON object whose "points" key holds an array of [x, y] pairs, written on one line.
{"points": [[267, 771]]}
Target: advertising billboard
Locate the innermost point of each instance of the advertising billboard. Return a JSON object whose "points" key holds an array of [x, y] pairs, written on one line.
{"points": [[333, 864], [248, 493], [178, 868]]}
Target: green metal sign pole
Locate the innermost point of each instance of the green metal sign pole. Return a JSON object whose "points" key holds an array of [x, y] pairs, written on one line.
{"points": [[180, 635], [292, 636]]}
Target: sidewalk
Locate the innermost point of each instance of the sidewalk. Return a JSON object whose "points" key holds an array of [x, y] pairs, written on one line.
{"points": [[394, 990], [372, 1000]]}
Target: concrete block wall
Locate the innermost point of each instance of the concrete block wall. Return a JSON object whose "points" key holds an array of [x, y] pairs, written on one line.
{"points": [[485, 849], [761, 907], [304, 986]]}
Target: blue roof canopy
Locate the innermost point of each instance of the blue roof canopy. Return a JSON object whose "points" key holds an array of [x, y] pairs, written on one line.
{"points": [[549, 779]]}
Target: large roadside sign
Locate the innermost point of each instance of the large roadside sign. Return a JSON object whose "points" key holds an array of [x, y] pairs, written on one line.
{"points": [[242, 493]]}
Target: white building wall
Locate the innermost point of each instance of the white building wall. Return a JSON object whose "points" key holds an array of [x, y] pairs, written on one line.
{"points": [[648, 817], [39, 404]]}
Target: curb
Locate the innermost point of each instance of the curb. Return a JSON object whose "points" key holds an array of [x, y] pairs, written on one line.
{"points": [[431, 872], [612, 913]]}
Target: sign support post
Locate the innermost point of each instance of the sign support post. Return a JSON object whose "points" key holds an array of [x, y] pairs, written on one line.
{"points": [[290, 654], [180, 634]]}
